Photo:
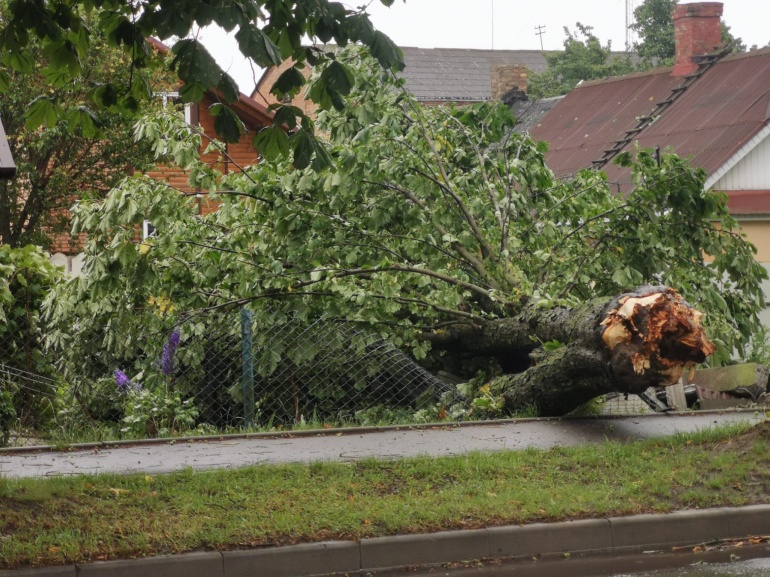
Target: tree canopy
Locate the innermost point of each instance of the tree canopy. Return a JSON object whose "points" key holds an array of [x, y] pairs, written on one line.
{"points": [[65, 148], [267, 33], [583, 58], [433, 224]]}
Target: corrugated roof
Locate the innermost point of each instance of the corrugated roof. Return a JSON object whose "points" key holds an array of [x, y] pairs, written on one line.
{"points": [[716, 115]]}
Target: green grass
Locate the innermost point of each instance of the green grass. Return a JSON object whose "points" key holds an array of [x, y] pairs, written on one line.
{"points": [[59, 520]]}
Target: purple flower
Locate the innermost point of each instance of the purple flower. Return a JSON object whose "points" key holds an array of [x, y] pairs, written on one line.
{"points": [[124, 383], [169, 350]]}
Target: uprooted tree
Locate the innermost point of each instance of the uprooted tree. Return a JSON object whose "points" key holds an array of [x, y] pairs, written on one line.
{"points": [[445, 230]]}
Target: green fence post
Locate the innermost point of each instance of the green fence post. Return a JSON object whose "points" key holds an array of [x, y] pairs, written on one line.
{"points": [[247, 372]]}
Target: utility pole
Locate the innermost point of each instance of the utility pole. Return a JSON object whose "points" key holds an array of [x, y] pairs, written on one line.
{"points": [[540, 32]]}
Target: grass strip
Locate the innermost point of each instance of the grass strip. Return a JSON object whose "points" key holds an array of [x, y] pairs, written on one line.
{"points": [[84, 518]]}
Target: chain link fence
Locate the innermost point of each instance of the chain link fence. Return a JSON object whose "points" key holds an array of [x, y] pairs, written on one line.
{"points": [[220, 372], [208, 374]]}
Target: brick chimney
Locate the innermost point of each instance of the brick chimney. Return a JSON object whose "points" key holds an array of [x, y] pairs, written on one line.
{"points": [[506, 77], [697, 31]]}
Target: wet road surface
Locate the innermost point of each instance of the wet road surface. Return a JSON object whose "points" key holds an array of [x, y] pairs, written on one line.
{"points": [[350, 445]]}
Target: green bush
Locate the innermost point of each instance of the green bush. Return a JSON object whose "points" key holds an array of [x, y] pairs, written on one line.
{"points": [[26, 276]]}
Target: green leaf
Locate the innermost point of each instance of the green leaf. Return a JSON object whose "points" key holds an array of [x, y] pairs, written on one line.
{"points": [[553, 345], [255, 44], [334, 83], [105, 95], [360, 28], [192, 92], [228, 126], [229, 88], [285, 115], [302, 146], [19, 61], [621, 277], [386, 52], [272, 142], [5, 81], [289, 82], [62, 55], [623, 159], [194, 64], [42, 111], [84, 118]]}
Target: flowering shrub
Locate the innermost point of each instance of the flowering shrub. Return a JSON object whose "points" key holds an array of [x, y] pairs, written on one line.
{"points": [[158, 414]]}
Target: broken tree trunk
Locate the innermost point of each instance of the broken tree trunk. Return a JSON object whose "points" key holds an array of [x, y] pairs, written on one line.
{"points": [[637, 340]]}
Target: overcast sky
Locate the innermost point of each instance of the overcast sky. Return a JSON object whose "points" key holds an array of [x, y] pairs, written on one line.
{"points": [[500, 24]]}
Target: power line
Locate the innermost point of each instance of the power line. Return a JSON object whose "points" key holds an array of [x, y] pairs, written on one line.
{"points": [[540, 31]]}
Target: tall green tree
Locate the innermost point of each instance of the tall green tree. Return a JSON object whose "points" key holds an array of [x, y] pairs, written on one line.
{"points": [[445, 230], [267, 33], [65, 148], [583, 58], [654, 24], [655, 28]]}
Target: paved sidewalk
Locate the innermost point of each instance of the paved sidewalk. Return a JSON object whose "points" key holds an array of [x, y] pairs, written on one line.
{"points": [[350, 445]]}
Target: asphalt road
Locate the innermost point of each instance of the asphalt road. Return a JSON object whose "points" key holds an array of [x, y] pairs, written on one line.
{"points": [[351, 445]]}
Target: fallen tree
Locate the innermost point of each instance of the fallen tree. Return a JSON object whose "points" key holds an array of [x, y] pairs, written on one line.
{"points": [[444, 230], [642, 339]]}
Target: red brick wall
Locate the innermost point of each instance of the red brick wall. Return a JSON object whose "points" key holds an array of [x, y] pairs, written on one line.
{"points": [[238, 155], [262, 92], [697, 31]]}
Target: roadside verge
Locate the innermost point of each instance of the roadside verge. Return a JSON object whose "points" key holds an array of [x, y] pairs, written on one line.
{"points": [[616, 535]]}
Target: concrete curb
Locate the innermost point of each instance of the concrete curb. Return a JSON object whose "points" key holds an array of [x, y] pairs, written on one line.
{"points": [[615, 535], [347, 431]]}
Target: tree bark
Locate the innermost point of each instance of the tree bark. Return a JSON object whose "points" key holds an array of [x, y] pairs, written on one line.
{"points": [[645, 338]]}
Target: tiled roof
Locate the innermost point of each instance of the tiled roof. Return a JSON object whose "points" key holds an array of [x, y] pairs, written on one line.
{"points": [[464, 75], [456, 74], [712, 118]]}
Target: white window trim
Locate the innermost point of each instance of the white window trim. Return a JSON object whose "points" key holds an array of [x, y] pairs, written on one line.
{"points": [[148, 230], [169, 97]]}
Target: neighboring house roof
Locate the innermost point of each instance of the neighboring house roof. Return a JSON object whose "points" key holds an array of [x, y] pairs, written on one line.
{"points": [[446, 74], [455, 74], [709, 116], [529, 112]]}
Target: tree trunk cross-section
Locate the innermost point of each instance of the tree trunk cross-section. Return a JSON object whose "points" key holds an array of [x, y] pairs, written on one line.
{"points": [[637, 340]]}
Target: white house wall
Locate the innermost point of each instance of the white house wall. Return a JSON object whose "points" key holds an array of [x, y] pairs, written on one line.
{"points": [[752, 172]]}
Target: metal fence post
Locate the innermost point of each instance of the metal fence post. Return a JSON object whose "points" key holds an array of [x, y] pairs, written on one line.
{"points": [[247, 372]]}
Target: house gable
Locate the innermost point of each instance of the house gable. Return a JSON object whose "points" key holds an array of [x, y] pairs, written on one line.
{"points": [[747, 169]]}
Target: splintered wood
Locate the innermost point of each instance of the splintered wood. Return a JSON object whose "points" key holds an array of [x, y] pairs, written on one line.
{"points": [[658, 334]]}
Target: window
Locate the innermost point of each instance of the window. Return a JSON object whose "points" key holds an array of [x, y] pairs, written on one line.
{"points": [[148, 230], [173, 99]]}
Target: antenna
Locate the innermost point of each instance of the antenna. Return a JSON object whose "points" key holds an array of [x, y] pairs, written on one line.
{"points": [[492, 23], [630, 35], [540, 32]]}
